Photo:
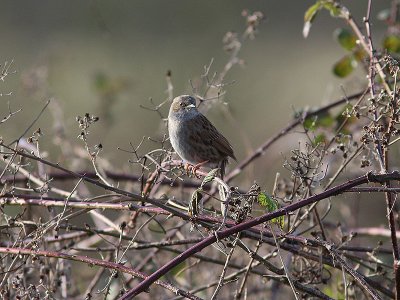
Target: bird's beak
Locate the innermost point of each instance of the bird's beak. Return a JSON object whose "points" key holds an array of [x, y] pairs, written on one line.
{"points": [[190, 106]]}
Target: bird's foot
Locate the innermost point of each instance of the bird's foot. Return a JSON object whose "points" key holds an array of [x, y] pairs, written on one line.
{"points": [[192, 169]]}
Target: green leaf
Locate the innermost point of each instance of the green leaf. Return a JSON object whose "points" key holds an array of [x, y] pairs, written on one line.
{"points": [[323, 119], [345, 114], [210, 176], [335, 9], [345, 38], [345, 66], [310, 123], [270, 205], [392, 43], [332, 7], [264, 200], [312, 11], [320, 138], [309, 17]]}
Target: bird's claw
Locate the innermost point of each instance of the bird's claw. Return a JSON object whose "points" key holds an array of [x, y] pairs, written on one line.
{"points": [[192, 169]]}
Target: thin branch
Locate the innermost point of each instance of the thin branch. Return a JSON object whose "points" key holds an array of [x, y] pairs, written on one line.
{"points": [[32, 123], [263, 148], [96, 262]]}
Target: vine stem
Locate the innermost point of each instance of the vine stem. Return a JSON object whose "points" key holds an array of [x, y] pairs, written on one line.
{"points": [[217, 236], [383, 152]]}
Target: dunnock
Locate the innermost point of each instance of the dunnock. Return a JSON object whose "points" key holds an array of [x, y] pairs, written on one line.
{"points": [[194, 138]]}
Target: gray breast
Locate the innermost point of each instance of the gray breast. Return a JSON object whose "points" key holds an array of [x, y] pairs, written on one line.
{"points": [[179, 138]]}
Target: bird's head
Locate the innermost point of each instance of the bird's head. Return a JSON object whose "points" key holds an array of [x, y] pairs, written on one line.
{"points": [[184, 103]]}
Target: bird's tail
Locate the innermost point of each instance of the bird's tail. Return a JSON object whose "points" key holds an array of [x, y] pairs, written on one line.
{"points": [[222, 167]]}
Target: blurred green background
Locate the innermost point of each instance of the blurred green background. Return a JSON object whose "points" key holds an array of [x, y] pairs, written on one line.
{"points": [[109, 57]]}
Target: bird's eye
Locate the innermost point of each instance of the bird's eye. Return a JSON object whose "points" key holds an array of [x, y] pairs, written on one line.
{"points": [[182, 104]]}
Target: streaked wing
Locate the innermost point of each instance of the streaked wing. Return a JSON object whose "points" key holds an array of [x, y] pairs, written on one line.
{"points": [[210, 135]]}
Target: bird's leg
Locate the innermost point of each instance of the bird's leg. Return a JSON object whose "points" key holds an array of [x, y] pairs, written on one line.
{"points": [[193, 168]]}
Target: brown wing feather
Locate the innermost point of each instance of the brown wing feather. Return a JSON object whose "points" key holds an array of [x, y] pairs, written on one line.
{"points": [[212, 135]]}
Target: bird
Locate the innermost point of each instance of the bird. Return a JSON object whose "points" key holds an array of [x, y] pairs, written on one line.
{"points": [[194, 138]]}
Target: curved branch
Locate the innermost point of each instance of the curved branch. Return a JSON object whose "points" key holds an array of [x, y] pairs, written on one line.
{"points": [[381, 178]]}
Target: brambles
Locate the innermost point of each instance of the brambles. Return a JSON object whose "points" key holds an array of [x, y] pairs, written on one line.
{"points": [[93, 231]]}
